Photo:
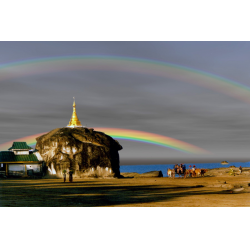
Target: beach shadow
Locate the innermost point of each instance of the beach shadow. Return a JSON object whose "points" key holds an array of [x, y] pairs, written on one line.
{"points": [[92, 194]]}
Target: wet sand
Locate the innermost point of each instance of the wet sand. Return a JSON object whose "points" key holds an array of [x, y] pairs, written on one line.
{"points": [[208, 191]]}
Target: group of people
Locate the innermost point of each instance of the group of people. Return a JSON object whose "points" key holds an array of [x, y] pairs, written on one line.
{"points": [[181, 169], [192, 171], [70, 173]]}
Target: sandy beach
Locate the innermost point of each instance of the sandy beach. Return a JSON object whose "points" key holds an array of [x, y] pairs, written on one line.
{"points": [[216, 189]]}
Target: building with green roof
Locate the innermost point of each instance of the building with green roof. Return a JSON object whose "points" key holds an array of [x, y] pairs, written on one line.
{"points": [[20, 160], [20, 146]]}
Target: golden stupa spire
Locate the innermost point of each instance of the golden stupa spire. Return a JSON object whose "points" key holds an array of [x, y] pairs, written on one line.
{"points": [[74, 121]]}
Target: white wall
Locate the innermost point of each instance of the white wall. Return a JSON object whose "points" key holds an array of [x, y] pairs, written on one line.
{"points": [[23, 152], [21, 167], [16, 167], [35, 167]]}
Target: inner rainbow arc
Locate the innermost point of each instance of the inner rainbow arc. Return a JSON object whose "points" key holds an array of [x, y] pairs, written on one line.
{"points": [[131, 135]]}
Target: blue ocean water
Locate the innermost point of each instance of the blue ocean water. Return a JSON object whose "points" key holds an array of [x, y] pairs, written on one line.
{"points": [[146, 168]]}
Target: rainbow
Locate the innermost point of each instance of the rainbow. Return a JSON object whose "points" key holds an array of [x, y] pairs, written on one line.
{"points": [[127, 134], [126, 64], [31, 141]]}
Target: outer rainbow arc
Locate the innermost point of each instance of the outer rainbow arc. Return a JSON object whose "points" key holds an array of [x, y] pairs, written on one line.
{"points": [[126, 64], [127, 134]]}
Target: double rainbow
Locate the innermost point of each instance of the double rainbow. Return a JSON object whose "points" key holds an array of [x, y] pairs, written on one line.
{"points": [[127, 134], [125, 64]]}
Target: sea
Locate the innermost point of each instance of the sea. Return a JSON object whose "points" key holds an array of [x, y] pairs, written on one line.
{"points": [[140, 169]]}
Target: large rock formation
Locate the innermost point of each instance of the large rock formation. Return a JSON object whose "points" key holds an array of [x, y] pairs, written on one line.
{"points": [[86, 152]]}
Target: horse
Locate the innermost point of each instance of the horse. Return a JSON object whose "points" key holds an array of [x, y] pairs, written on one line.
{"points": [[171, 173], [187, 173], [203, 171], [197, 172]]}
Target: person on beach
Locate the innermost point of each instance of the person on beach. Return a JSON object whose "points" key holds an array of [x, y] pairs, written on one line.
{"points": [[176, 168], [240, 168], [181, 169], [184, 169], [70, 176], [44, 169], [193, 171], [64, 175]]}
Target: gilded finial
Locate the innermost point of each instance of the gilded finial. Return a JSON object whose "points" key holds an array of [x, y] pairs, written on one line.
{"points": [[74, 121]]}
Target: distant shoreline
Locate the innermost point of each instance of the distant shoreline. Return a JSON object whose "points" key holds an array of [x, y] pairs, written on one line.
{"points": [[178, 161]]}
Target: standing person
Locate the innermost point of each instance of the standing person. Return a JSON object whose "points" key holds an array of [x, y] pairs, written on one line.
{"points": [[64, 175], [178, 169], [44, 169], [193, 171], [70, 176], [181, 169], [175, 168], [184, 169], [240, 169]]}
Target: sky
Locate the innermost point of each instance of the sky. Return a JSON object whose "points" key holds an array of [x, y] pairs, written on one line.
{"points": [[166, 88]]}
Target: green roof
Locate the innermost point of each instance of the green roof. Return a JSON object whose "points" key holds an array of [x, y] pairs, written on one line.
{"points": [[20, 145], [8, 156]]}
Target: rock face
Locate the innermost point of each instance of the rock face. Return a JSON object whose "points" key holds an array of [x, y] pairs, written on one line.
{"points": [[86, 152], [226, 171], [151, 174]]}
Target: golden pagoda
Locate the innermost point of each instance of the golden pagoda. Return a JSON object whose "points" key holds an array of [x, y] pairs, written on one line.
{"points": [[74, 121]]}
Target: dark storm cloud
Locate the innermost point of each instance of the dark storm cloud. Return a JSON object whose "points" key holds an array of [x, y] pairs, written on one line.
{"points": [[203, 117]]}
